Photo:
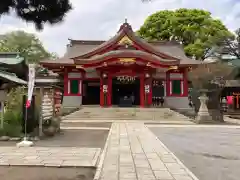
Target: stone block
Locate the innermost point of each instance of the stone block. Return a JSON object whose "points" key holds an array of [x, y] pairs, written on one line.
{"points": [[163, 175], [182, 177], [128, 176]]}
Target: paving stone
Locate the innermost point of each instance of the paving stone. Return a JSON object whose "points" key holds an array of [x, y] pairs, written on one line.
{"points": [[144, 177], [127, 169], [157, 165], [31, 157], [54, 163], [143, 171], [178, 171], [152, 155], [134, 153], [182, 177], [163, 175], [173, 165], [128, 175], [4, 163], [168, 159]]}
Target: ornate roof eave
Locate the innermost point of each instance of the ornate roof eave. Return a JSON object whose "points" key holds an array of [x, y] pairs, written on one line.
{"points": [[101, 60], [125, 30], [49, 64]]}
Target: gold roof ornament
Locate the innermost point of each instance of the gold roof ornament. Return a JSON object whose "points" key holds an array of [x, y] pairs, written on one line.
{"points": [[79, 66], [173, 68], [125, 40], [149, 64], [127, 60]]}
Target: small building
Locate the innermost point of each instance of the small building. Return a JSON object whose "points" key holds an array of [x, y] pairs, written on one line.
{"points": [[125, 70], [13, 70]]}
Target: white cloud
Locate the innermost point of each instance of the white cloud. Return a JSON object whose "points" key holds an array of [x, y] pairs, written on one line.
{"points": [[91, 20]]}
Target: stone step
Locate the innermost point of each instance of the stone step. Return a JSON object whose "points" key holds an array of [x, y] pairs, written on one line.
{"points": [[121, 114], [84, 124]]}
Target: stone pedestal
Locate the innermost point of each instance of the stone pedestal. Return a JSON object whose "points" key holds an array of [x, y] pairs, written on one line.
{"points": [[203, 115]]}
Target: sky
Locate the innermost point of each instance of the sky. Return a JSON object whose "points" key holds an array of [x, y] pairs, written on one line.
{"points": [[100, 20]]}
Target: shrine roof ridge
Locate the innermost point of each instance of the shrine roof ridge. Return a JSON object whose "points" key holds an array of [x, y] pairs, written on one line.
{"points": [[99, 42]]}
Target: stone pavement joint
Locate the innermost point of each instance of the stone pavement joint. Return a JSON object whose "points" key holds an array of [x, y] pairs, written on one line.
{"points": [[49, 156], [135, 153]]}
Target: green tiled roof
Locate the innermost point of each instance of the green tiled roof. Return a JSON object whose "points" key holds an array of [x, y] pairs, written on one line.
{"points": [[11, 77], [10, 58], [235, 62], [11, 62]]}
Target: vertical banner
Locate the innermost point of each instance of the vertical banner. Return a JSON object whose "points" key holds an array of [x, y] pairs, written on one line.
{"points": [[31, 81]]}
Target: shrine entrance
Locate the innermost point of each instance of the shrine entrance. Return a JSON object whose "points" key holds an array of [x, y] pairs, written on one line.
{"points": [[91, 92], [126, 91]]}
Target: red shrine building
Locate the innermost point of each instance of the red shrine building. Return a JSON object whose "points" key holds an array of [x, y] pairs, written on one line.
{"points": [[123, 71]]}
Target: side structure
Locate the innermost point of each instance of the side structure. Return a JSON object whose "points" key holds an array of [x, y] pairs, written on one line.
{"points": [[106, 72]]}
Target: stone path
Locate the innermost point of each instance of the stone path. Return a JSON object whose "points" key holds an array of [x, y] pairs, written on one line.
{"points": [[50, 156], [134, 153]]}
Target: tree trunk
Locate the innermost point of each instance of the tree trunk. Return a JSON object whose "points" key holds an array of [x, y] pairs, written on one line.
{"points": [[196, 103], [214, 105]]}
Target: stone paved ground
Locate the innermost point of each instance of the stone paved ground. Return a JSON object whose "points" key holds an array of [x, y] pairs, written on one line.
{"points": [[49, 157], [134, 153], [210, 152]]}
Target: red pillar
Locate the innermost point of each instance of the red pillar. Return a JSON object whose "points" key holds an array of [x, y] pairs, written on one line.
{"points": [[101, 92], [185, 83], [150, 91], [167, 83], [65, 80], [109, 100], [142, 90]]}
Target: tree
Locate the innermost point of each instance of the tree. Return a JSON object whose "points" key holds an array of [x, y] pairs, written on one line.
{"points": [[230, 45], [37, 11], [210, 79], [194, 28], [28, 46]]}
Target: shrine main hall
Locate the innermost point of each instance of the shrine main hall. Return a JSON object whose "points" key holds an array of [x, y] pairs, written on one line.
{"points": [[123, 71]]}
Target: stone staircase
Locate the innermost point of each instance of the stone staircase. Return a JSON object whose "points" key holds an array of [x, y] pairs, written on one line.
{"points": [[99, 115]]}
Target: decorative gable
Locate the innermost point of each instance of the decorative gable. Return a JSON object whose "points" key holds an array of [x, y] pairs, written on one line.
{"points": [[125, 41]]}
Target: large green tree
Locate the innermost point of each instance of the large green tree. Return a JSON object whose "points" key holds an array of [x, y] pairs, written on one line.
{"points": [[194, 28], [28, 46], [231, 45], [37, 11]]}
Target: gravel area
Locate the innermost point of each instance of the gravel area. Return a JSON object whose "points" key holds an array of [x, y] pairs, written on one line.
{"points": [[210, 153], [71, 138]]}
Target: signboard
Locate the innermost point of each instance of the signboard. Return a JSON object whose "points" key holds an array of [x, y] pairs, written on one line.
{"points": [[147, 88], [105, 88]]}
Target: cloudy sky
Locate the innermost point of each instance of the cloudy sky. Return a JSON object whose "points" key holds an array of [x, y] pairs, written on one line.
{"points": [[99, 20]]}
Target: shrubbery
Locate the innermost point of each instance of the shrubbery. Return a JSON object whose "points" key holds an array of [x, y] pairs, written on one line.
{"points": [[13, 114]]}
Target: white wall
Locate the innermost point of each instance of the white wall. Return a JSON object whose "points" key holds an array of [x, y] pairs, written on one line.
{"points": [[177, 102], [91, 73], [72, 101]]}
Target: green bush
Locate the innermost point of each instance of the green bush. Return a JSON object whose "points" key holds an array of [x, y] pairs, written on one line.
{"points": [[2, 132], [12, 130], [12, 124], [13, 117]]}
